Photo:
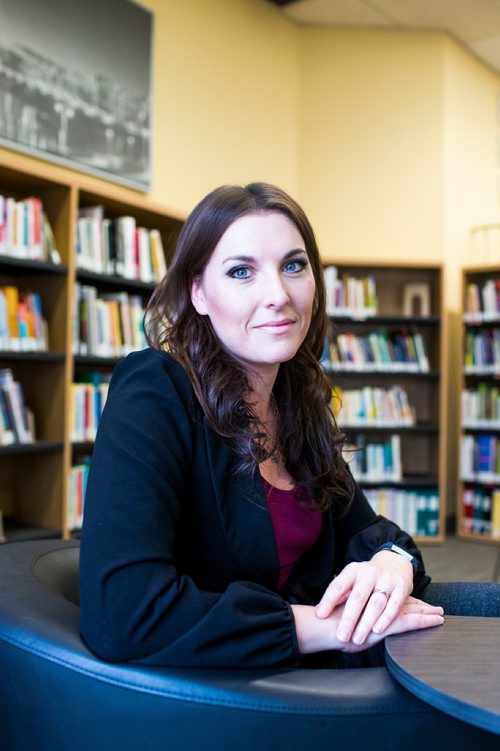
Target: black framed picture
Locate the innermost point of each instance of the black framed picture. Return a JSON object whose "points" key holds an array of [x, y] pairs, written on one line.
{"points": [[75, 84]]}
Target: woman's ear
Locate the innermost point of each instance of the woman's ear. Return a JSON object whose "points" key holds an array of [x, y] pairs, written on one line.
{"points": [[197, 296]]}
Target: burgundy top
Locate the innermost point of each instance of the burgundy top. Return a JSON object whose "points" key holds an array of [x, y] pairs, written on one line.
{"points": [[296, 527]]}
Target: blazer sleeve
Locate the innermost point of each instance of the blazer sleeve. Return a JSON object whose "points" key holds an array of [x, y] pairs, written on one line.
{"points": [[361, 532], [135, 604]]}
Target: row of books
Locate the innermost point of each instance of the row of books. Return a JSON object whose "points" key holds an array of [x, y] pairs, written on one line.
{"points": [[415, 511], [87, 403], [481, 406], [16, 420], [22, 325], [482, 301], [107, 324], [375, 462], [348, 296], [118, 246], [482, 351], [399, 352], [76, 493], [481, 511], [25, 230], [369, 406], [480, 458]]}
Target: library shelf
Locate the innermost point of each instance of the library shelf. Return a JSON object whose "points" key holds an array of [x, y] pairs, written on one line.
{"points": [[409, 482], [387, 330], [426, 427], [113, 281], [478, 488], [26, 266], [82, 446], [95, 361], [35, 478], [388, 320], [40, 357], [14, 532], [37, 447]]}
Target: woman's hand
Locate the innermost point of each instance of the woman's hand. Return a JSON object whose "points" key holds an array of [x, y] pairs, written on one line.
{"points": [[374, 593], [319, 634]]}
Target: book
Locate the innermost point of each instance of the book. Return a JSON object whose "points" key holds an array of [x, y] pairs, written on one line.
{"points": [[25, 230], [125, 250], [14, 404]]}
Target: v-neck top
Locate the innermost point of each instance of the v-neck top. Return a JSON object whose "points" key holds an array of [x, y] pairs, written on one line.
{"points": [[296, 525]]}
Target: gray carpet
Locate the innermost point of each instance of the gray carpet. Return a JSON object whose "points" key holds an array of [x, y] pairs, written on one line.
{"points": [[462, 560]]}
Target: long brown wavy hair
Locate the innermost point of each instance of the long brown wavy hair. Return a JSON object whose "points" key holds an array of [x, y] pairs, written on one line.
{"points": [[307, 435]]}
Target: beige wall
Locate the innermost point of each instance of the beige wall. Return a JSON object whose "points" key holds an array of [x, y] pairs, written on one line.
{"points": [[471, 165], [371, 153], [225, 97]]}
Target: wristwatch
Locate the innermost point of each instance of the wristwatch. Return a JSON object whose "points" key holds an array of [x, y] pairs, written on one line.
{"points": [[399, 551]]}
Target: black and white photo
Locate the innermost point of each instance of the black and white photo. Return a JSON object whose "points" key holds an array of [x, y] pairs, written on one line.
{"points": [[75, 84]]}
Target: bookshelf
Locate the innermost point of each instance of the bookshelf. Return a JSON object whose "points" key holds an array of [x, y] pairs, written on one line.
{"points": [[35, 476], [385, 357], [479, 475]]}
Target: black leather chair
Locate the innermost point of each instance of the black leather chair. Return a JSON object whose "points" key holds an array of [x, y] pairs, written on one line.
{"points": [[56, 696]]}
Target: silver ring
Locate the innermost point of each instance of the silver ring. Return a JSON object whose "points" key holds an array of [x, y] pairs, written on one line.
{"points": [[382, 592]]}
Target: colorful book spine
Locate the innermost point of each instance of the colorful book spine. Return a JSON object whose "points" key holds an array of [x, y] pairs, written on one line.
{"points": [[350, 296], [373, 407], [416, 510], [118, 246], [481, 406], [379, 351], [482, 352], [25, 231], [88, 398], [482, 301], [16, 419], [481, 511], [107, 325], [22, 325], [76, 493], [375, 462], [480, 458]]}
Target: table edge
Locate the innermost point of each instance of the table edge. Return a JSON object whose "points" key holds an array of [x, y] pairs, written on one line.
{"points": [[481, 718]]}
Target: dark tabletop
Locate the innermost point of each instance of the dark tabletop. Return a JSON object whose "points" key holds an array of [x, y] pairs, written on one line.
{"points": [[454, 667]]}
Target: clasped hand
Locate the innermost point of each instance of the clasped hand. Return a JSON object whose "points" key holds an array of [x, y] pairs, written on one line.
{"points": [[365, 603]]}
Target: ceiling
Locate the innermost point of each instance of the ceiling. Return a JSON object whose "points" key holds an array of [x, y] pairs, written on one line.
{"points": [[474, 23]]}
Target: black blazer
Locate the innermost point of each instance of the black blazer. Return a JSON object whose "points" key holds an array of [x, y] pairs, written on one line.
{"points": [[179, 564]]}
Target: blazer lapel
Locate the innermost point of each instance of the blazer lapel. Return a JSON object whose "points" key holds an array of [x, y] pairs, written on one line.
{"points": [[243, 512]]}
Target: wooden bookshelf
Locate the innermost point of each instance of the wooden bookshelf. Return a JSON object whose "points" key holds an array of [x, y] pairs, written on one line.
{"points": [[478, 493], [34, 478], [413, 492]]}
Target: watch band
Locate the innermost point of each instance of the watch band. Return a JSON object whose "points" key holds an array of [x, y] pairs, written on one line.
{"points": [[399, 551]]}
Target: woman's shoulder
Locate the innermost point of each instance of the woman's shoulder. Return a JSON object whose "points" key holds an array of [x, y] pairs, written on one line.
{"points": [[149, 366], [157, 359]]}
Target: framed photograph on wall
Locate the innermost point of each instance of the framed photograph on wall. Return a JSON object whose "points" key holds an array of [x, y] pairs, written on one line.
{"points": [[75, 84]]}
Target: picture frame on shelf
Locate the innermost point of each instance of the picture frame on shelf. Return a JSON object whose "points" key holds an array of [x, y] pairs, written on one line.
{"points": [[416, 299], [81, 99]]}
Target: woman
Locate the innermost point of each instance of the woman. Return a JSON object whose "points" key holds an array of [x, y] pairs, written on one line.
{"points": [[222, 526]]}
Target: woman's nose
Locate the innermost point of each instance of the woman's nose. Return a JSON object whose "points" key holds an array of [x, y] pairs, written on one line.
{"points": [[275, 291]]}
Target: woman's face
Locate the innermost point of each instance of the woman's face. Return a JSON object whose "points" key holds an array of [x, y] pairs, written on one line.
{"points": [[258, 291]]}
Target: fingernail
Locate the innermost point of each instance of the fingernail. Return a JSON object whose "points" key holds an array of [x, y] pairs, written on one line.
{"points": [[321, 611]]}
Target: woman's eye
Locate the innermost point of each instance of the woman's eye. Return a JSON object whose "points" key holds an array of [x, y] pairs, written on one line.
{"points": [[240, 272], [292, 267]]}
